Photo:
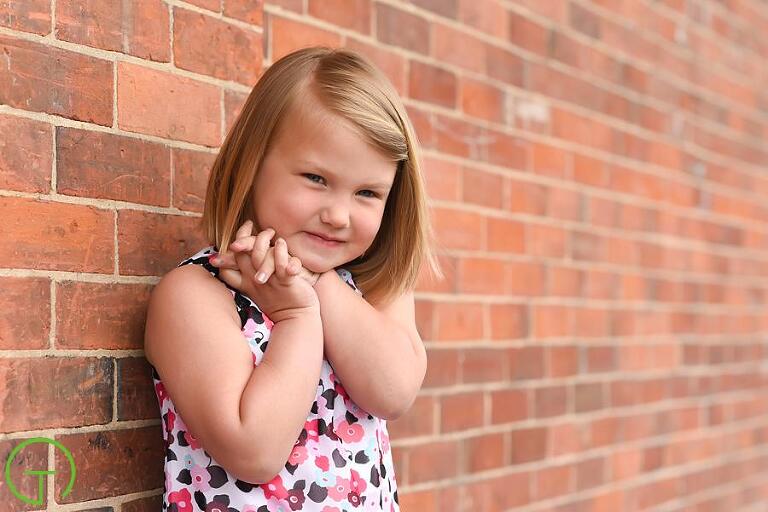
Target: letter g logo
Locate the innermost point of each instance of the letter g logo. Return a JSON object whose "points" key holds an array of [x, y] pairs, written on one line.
{"points": [[41, 473]]}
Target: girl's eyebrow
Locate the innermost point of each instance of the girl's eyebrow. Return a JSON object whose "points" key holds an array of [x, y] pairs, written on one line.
{"points": [[378, 184]]}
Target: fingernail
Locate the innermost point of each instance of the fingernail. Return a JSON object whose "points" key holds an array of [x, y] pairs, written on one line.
{"points": [[261, 277], [213, 259]]}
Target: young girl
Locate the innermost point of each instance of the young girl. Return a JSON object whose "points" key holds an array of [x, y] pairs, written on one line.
{"points": [[276, 370]]}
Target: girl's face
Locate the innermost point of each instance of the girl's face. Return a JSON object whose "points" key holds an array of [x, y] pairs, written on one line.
{"points": [[322, 188]]}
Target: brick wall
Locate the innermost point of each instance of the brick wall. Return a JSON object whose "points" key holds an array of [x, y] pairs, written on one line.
{"points": [[598, 180]]}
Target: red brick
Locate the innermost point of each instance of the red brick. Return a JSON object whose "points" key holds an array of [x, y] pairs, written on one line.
{"points": [[153, 244], [562, 361], [484, 452], [528, 34], [509, 405], [149, 504], [550, 321], [457, 229], [33, 456], [443, 178], [197, 43], [526, 362], [553, 481], [418, 421], [509, 321], [458, 321], [479, 99], [487, 16], [589, 397], [528, 445], [550, 401], [403, 29], [26, 164], [442, 368], [423, 501], [249, 11], [140, 452], [350, 14], [432, 84], [80, 87], [138, 28], [166, 105], [483, 188], [29, 16], [482, 276], [289, 35], [211, 5], [446, 8], [482, 365], [459, 48], [28, 331], [136, 398], [546, 241], [103, 165], [190, 178], [35, 391], [499, 493], [461, 412], [45, 235], [506, 235], [117, 313], [433, 461]]}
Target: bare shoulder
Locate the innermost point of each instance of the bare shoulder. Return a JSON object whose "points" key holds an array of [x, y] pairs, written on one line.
{"points": [[186, 292]]}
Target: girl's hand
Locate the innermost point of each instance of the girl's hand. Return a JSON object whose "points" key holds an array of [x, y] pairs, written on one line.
{"points": [[281, 294], [262, 256]]}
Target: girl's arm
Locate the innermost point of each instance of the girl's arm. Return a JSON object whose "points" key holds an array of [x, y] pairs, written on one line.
{"points": [[375, 350]]}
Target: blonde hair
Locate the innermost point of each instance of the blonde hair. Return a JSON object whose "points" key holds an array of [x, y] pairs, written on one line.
{"points": [[351, 87]]}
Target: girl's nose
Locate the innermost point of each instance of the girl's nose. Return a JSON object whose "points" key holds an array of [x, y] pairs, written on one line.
{"points": [[336, 215]]}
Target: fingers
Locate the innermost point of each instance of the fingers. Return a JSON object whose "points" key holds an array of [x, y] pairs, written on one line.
{"points": [[267, 267], [261, 247], [244, 230], [281, 259], [294, 266]]}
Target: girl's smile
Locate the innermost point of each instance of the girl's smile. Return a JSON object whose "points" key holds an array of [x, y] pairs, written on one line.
{"points": [[322, 187]]}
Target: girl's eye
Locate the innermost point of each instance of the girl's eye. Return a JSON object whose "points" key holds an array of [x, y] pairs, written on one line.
{"points": [[311, 177], [369, 193]]}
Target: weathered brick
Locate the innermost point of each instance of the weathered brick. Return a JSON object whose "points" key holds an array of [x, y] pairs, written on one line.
{"points": [[58, 236], [77, 86], [153, 244], [116, 315], [102, 165], [139, 450], [31, 330], [26, 164], [51, 392], [197, 43], [190, 178], [138, 28], [166, 105]]}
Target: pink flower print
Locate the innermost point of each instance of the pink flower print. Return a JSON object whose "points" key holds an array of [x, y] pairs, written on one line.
{"points": [[354, 499], [311, 428], [328, 509], [180, 425], [250, 508], [322, 406], [275, 505], [340, 490], [349, 433], [216, 506], [249, 329], [182, 499], [357, 484], [162, 394], [274, 488], [169, 422], [384, 443], [192, 440], [296, 499], [168, 481], [322, 462], [267, 322], [201, 478], [298, 455]]}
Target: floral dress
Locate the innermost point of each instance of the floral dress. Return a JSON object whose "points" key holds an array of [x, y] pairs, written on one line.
{"points": [[340, 462]]}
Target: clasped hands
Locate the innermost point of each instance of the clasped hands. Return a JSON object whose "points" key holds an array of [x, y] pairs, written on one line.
{"points": [[274, 279]]}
